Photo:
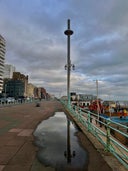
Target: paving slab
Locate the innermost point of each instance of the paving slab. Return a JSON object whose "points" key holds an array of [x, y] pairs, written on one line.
{"points": [[25, 132]]}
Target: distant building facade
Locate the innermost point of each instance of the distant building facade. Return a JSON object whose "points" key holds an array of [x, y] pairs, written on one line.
{"points": [[8, 71], [18, 87], [23, 78], [30, 90], [86, 99], [89, 97], [2, 59], [82, 99], [40, 92], [14, 88]]}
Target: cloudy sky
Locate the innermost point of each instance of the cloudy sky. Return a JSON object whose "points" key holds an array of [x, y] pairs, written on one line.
{"points": [[36, 44]]}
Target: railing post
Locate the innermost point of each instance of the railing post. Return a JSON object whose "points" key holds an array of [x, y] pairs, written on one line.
{"points": [[89, 121], [108, 136], [80, 111], [79, 114], [76, 111]]}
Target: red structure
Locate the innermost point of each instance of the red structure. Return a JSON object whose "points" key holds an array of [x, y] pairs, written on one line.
{"points": [[96, 106]]}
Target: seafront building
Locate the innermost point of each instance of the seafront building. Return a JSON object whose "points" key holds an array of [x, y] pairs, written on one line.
{"points": [[40, 92], [82, 99], [14, 88], [2, 59], [30, 90], [8, 71], [17, 86], [23, 78]]}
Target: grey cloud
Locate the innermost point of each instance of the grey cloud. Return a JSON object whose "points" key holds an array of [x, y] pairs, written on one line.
{"points": [[37, 46]]}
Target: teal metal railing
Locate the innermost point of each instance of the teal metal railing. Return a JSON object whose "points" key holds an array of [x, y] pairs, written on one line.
{"points": [[17, 102], [112, 135]]}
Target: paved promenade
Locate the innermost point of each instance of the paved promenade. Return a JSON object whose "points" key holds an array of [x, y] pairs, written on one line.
{"points": [[17, 149]]}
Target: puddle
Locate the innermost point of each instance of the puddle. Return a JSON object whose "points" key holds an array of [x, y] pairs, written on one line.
{"points": [[58, 144]]}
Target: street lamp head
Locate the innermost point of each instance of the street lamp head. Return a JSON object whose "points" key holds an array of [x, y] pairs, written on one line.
{"points": [[73, 67], [65, 67]]}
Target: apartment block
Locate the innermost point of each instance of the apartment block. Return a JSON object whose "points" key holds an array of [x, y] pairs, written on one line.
{"points": [[2, 59], [8, 71]]}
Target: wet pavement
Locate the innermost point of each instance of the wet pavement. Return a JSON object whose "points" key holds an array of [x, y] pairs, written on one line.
{"points": [[19, 153], [58, 144], [17, 123]]}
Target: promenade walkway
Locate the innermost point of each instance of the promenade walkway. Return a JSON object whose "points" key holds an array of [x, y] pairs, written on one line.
{"points": [[17, 149]]}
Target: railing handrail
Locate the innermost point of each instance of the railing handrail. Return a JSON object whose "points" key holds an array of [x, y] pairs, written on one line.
{"points": [[105, 136]]}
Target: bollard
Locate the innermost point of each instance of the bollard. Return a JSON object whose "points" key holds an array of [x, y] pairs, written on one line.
{"points": [[38, 104]]}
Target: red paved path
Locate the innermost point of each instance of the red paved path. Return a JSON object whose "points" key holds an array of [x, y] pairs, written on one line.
{"points": [[17, 150]]}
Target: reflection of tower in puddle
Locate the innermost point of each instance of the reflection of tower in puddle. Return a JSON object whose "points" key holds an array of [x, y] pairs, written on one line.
{"points": [[69, 154]]}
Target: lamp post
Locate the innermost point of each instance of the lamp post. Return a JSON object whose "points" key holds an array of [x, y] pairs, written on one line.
{"points": [[68, 66], [97, 89], [97, 96], [5, 90]]}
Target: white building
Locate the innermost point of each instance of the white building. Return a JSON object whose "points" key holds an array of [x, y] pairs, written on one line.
{"points": [[8, 71], [82, 99], [2, 59]]}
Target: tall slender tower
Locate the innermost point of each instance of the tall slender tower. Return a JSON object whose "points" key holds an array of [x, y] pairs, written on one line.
{"points": [[2, 59], [68, 33]]}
